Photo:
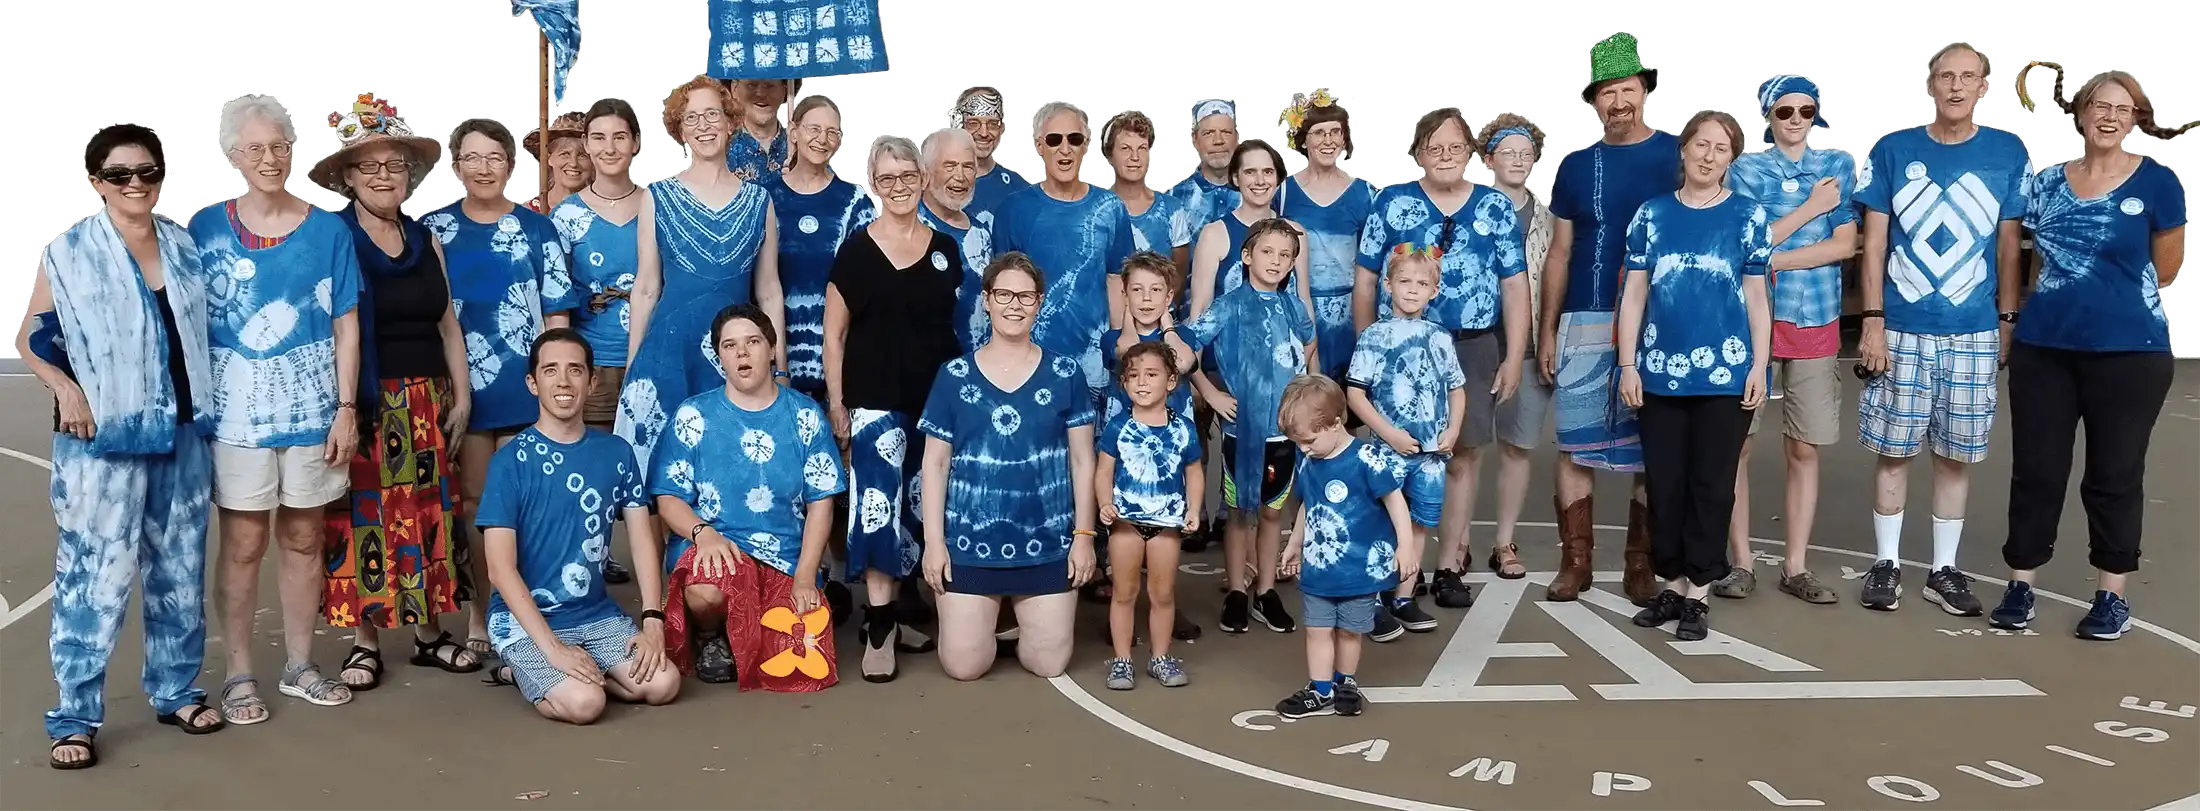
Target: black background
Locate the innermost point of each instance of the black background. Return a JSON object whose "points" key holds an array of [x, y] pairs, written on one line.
{"points": [[447, 60]]}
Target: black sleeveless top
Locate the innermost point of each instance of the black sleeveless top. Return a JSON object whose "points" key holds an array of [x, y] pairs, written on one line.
{"points": [[408, 308]]}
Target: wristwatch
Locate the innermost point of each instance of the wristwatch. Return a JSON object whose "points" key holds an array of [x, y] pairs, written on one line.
{"points": [[653, 614], [2009, 317]]}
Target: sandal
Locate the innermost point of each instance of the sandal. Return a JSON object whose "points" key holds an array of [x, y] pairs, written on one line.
{"points": [[81, 741], [187, 718], [1505, 561], [481, 647], [500, 676], [238, 709], [431, 654], [304, 681], [358, 660]]}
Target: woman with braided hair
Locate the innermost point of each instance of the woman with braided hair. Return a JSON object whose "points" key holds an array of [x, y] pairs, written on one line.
{"points": [[2092, 345]]}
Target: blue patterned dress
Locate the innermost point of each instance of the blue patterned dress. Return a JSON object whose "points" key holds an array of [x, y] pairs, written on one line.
{"points": [[1332, 259], [604, 258], [706, 258], [811, 228]]}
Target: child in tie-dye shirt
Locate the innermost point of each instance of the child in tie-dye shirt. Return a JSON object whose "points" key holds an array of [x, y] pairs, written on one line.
{"points": [[1151, 482]]}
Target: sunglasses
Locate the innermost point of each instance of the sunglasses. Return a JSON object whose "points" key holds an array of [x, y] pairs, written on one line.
{"points": [[1784, 112], [1056, 138], [151, 173]]}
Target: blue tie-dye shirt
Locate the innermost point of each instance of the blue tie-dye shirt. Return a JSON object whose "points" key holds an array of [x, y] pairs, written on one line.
{"points": [[1164, 227], [504, 277], [1408, 367], [1206, 202], [1149, 467], [271, 315], [1807, 297], [1078, 245], [1483, 246], [971, 322], [1009, 493], [754, 160], [604, 260], [1260, 339], [560, 499], [1351, 546], [1119, 402], [2097, 290], [1332, 234], [811, 228], [751, 475], [1944, 205], [990, 189], [1695, 323], [1598, 189]]}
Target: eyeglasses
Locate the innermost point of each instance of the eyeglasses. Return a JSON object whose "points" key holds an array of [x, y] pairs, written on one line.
{"points": [[713, 115], [119, 176], [905, 180], [1027, 298], [977, 126], [815, 131], [396, 166], [1511, 155], [2121, 112], [1787, 111], [1960, 80], [1444, 150], [1056, 138], [492, 160], [256, 153]]}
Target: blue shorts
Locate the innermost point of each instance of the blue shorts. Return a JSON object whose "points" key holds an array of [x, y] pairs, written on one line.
{"points": [[1425, 487], [606, 641], [1355, 614], [1051, 577]]}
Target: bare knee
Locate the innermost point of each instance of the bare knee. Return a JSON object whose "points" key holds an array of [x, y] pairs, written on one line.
{"points": [[573, 702], [660, 690], [704, 601], [1161, 592], [1513, 453], [1045, 659], [968, 666], [1801, 453], [1126, 590], [244, 537]]}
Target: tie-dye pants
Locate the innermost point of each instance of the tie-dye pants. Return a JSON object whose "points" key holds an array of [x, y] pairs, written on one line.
{"points": [[885, 503], [120, 517]]}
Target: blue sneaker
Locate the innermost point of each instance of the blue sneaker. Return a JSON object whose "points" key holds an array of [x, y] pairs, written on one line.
{"points": [[2015, 611], [2108, 620]]}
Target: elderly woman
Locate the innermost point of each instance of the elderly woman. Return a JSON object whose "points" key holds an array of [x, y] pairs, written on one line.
{"points": [[815, 211], [708, 240], [396, 557], [284, 398], [1008, 470], [759, 150], [1510, 147], [2092, 347], [116, 329], [570, 167], [887, 330], [980, 113], [948, 160], [509, 281]]}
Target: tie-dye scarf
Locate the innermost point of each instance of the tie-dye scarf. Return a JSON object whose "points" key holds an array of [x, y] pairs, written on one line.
{"points": [[111, 326]]}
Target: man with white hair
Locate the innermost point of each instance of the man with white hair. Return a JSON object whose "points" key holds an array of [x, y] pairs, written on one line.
{"points": [[979, 112], [949, 160], [283, 291], [1209, 194]]}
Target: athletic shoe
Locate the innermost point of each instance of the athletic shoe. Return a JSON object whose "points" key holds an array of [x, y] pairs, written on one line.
{"points": [[1692, 625], [2015, 611], [2108, 620], [1666, 607], [1387, 627], [1268, 608], [1413, 618], [1451, 592], [1168, 670], [714, 660], [1348, 700], [1882, 587], [1119, 675], [1306, 703], [1235, 613], [1951, 590]]}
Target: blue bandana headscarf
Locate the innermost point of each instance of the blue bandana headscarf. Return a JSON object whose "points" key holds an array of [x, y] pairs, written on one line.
{"points": [[1782, 85]]}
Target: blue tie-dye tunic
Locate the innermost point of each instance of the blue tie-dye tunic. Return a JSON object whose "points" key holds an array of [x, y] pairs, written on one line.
{"points": [[1485, 247], [971, 322], [989, 190], [272, 316], [750, 475], [1259, 339], [1695, 323], [2097, 289], [1078, 245], [1351, 546], [1944, 205], [604, 260], [1009, 497], [1598, 189], [560, 499], [1149, 482], [505, 276], [1408, 367], [811, 228], [1207, 202], [1332, 256]]}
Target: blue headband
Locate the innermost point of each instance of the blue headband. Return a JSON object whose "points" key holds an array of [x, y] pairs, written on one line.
{"points": [[1782, 85], [1490, 147]]}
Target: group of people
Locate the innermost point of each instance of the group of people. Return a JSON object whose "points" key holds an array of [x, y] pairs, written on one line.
{"points": [[1001, 393]]}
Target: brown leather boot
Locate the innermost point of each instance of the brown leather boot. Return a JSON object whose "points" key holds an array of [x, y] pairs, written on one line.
{"points": [[1577, 539], [1640, 585]]}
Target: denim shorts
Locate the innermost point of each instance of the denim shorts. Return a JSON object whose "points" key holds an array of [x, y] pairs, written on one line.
{"points": [[1355, 614]]}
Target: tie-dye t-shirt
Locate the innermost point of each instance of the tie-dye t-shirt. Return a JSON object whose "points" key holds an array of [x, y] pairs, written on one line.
{"points": [[560, 499], [751, 475], [971, 322], [755, 160], [1149, 467], [2097, 290], [1598, 189], [1944, 205], [505, 276], [1260, 338], [1408, 367], [1806, 297], [1351, 547], [1119, 402], [1206, 202], [604, 261], [1482, 241], [1009, 496], [271, 316], [811, 229], [989, 189], [1163, 227], [1695, 323], [1078, 245]]}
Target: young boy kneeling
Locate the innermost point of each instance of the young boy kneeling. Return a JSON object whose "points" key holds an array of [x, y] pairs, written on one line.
{"points": [[1355, 539], [546, 516]]}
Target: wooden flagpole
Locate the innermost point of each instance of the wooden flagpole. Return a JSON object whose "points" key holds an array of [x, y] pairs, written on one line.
{"points": [[542, 141]]}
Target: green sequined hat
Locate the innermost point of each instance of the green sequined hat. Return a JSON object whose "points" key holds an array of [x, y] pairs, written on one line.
{"points": [[1615, 58]]}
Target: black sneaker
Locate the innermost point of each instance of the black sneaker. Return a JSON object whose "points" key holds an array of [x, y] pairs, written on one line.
{"points": [[615, 573], [1450, 591], [1268, 608], [2015, 612], [1386, 623], [1692, 625], [1420, 585], [714, 660], [1306, 703], [1413, 618], [1666, 607], [1882, 587], [1951, 590], [1235, 613], [1348, 700]]}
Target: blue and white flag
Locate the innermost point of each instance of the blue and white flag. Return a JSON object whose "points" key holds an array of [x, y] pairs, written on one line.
{"points": [[561, 24], [794, 39]]}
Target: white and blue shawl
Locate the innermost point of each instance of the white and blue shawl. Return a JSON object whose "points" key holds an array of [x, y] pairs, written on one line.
{"points": [[111, 326]]}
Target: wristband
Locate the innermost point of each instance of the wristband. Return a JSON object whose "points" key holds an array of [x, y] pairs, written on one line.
{"points": [[653, 614], [1076, 532], [1879, 314], [347, 405], [1627, 366]]}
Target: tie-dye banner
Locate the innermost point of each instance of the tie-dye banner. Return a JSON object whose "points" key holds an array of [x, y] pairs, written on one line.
{"points": [[794, 39], [561, 23]]}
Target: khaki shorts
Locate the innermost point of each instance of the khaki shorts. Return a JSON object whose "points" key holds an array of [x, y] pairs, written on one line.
{"points": [[258, 479], [1810, 404], [602, 406]]}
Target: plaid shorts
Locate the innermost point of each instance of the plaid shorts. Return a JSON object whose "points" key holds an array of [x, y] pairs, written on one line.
{"points": [[606, 641], [1941, 387]]}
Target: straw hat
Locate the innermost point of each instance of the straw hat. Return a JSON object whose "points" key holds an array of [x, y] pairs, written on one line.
{"points": [[568, 125], [373, 121]]}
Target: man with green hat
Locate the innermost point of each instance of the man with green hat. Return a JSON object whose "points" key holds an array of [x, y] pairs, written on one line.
{"points": [[1593, 198]]}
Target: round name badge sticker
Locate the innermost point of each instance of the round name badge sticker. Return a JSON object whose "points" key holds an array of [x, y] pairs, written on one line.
{"points": [[1790, 185], [244, 270], [939, 261], [808, 224], [1914, 171], [2133, 206], [1335, 492]]}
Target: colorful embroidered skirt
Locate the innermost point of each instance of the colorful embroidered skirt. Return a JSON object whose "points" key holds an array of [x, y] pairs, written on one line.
{"points": [[394, 558], [773, 647]]}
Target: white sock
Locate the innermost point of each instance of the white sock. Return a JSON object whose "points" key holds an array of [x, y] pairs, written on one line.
{"points": [[1947, 533], [1887, 529]]}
